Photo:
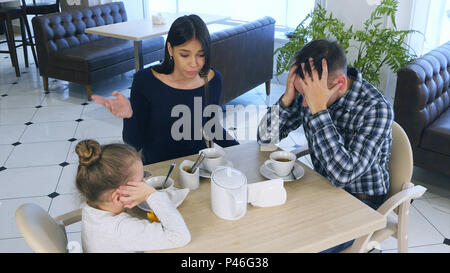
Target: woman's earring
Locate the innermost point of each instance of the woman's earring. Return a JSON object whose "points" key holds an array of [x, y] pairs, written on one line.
{"points": [[171, 59]]}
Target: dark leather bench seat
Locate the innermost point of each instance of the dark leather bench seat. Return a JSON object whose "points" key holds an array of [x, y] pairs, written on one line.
{"points": [[99, 54], [422, 108], [244, 56], [436, 137], [67, 53]]}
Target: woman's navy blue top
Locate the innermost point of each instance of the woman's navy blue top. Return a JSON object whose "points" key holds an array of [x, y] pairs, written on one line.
{"points": [[150, 127]]}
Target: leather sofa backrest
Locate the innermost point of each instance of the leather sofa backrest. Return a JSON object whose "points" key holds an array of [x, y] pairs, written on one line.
{"points": [[64, 30], [422, 92], [244, 56]]}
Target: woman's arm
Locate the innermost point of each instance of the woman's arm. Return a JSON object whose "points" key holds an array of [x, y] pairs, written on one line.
{"points": [[133, 127], [215, 95]]}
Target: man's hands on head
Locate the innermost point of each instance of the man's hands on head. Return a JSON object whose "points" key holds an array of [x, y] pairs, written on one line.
{"points": [[315, 89], [290, 93]]}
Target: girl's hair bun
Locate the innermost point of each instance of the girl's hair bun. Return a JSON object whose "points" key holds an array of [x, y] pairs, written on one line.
{"points": [[89, 152]]}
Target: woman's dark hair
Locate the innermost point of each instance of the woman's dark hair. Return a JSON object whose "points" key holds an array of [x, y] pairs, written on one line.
{"points": [[318, 50], [184, 29], [102, 167]]}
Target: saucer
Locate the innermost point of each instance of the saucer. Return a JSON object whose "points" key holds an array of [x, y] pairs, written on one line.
{"points": [[176, 195], [206, 174], [267, 173]]}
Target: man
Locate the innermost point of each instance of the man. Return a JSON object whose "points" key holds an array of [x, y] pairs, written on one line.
{"points": [[346, 120]]}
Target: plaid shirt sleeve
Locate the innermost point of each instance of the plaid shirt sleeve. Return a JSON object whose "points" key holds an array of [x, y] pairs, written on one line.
{"points": [[345, 162], [279, 121]]}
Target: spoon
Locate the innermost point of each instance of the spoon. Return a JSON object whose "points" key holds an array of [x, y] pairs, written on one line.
{"points": [[197, 162], [293, 174], [168, 174], [209, 143]]}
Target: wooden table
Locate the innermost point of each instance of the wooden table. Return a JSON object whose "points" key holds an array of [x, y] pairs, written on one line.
{"points": [[315, 217], [139, 30]]}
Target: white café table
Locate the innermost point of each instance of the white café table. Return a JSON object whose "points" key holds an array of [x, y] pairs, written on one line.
{"points": [[316, 215], [139, 30]]}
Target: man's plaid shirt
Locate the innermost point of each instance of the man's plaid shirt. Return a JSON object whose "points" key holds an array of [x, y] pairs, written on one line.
{"points": [[349, 142]]}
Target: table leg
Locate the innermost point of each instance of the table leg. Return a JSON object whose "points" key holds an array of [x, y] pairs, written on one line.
{"points": [[138, 58]]}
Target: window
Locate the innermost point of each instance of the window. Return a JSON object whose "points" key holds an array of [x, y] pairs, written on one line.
{"points": [[286, 12], [437, 25], [432, 19]]}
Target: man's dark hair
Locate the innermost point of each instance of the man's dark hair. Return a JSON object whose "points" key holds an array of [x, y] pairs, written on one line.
{"points": [[319, 49]]}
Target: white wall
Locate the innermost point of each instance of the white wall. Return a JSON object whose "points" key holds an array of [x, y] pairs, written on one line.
{"points": [[355, 12], [134, 9]]}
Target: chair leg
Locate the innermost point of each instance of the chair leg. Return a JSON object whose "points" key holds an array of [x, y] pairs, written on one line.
{"points": [[268, 88], [31, 43], [402, 229], [24, 41], [45, 82], [12, 45], [5, 28], [89, 91]]}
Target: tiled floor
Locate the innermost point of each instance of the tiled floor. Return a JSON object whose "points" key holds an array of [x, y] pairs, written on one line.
{"points": [[38, 132]]}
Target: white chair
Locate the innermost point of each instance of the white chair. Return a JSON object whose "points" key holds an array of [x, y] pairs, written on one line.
{"points": [[43, 233], [402, 191]]}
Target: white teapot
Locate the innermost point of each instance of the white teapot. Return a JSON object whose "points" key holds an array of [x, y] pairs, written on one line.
{"points": [[228, 193]]}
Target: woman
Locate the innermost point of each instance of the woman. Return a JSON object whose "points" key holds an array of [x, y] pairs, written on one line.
{"points": [[182, 80]]}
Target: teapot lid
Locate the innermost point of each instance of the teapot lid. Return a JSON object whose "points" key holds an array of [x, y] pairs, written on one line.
{"points": [[228, 178]]}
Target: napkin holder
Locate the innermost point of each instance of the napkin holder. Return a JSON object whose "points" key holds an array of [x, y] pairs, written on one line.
{"points": [[158, 19], [267, 147], [269, 193]]}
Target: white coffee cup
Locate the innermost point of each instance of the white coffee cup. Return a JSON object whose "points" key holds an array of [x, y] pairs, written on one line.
{"points": [[158, 181], [189, 180], [281, 162], [213, 158]]}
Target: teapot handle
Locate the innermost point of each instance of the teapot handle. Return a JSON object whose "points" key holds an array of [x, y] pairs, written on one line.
{"points": [[239, 204]]}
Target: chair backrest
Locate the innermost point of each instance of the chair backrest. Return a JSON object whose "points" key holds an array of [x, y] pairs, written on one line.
{"points": [[401, 160], [42, 233], [59, 31], [251, 45]]}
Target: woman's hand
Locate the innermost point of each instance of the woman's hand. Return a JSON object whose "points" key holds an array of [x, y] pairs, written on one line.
{"points": [[119, 107], [134, 193]]}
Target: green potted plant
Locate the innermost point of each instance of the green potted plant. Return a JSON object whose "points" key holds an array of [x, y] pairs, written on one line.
{"points": [[375, 45]]}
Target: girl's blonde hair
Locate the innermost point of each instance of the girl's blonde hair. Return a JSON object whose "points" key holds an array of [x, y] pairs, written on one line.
{"points": [[102, 167]]}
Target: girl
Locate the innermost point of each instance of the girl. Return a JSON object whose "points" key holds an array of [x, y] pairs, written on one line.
{"points": [[110, 178], [184, 76]]}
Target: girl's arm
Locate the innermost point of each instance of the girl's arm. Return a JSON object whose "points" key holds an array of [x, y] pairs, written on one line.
{"points": [[142, 235]]}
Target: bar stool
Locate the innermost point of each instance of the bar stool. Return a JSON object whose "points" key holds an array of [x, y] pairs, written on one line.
{"points": [[40, 8], [6, 17], [33, 8]]}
